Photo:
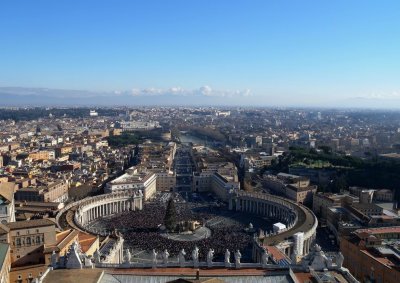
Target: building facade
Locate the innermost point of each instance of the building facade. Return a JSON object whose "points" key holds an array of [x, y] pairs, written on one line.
{"points": [[371, 255], [7, 203], [28, 240], [56, 191]]}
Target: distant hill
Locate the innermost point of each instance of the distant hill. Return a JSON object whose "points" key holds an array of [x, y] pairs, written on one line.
{"points": [[16, 96]]}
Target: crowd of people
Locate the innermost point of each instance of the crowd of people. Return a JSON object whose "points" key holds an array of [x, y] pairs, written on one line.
{"points": [[141, 229]]}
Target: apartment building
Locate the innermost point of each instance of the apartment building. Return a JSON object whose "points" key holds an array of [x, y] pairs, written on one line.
{"points": [[372, 255], [53, 191], [28, 239]]}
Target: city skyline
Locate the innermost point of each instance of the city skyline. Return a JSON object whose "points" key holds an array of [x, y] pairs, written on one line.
{"points": [[260, 53]]}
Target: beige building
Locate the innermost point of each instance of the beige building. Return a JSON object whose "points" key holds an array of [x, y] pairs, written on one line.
{"points": [[323, 201], [27, 273], [165, 181], [256, 160], [88, 243], [215, 182], [371, 255], [62, 150], [28, 240], [217, 177], [136, 180], [296, 188], [303, 195], [39, 155], [226, 169], [24, 182], [382, 195], [202, 181], [56, 191]]}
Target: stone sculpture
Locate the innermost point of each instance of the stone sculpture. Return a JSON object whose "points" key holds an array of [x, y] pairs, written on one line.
{"points": [[195, 256], [54, 259], [238, 256], [210, 256], [154, 258], [96, 256], [227, 258], [264, 258], [339, 260], [128, 256], [181, 258], [165, 257]]}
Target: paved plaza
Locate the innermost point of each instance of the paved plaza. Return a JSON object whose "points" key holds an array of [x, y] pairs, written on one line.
{"points": [[222, 229], [197, 235]]}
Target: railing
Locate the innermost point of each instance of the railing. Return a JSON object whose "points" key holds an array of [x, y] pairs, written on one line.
{"points": [[189, 263]]}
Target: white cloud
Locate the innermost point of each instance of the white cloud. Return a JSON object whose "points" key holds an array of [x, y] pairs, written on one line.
{"points": [[179, 91], [206, 90], [394, 95]]}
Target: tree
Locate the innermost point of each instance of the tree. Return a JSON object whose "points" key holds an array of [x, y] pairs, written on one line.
{"points": [[326, 149], [170, 216], [122, 140], [339, 184]]}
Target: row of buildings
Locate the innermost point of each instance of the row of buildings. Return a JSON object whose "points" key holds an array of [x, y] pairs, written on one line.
{"points": [[153, 173]]}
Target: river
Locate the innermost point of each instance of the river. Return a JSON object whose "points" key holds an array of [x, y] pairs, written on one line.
{"points": [[185, 138]]}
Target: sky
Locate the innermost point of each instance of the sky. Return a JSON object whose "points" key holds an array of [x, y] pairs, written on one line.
{"points": [[269, 52]]}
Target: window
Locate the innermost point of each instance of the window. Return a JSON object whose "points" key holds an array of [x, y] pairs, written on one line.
{"points": [[18, 241]]}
